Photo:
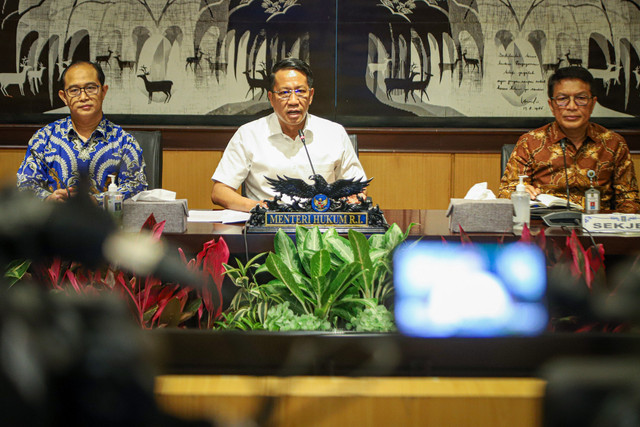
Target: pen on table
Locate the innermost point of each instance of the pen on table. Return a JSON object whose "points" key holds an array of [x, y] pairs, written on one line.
{"points": [[52, 172]]}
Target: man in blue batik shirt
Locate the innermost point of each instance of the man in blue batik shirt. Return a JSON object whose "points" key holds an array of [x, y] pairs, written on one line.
{"points": [[83, 143]]}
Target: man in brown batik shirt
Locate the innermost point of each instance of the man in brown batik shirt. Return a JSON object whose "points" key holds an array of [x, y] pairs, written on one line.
{"points": [[538, 154]]}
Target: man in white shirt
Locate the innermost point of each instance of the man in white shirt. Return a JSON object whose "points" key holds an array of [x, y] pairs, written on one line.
{"points": [[271, 146]]}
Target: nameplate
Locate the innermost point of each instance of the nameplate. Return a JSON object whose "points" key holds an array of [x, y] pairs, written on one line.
{"points": [[322, 219], [611, 223]]}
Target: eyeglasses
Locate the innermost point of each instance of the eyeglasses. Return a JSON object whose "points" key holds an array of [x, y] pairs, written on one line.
{"points": [[90, 90], [286, 94], [580, 100]]}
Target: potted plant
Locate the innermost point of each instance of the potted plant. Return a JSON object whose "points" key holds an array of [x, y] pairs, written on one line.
{"points": [[320, 281]]}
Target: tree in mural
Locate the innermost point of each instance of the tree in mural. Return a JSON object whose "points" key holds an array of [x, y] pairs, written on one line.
{"points": [[611, 56]]}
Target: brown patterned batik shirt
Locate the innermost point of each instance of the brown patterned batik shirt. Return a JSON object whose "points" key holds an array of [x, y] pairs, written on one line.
{"points": [[538, 154]]}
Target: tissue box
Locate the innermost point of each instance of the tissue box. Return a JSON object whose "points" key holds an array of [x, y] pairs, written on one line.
{"points": [[494, 216], [175, 212]]}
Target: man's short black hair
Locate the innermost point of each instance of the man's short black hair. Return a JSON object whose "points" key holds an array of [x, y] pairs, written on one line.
{"points": [[579, 73], [95, 65], [291, 64]]}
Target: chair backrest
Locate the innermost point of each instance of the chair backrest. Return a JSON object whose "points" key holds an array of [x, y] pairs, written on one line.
{"points": [[507, 149], [151, 144], [354, 140]]}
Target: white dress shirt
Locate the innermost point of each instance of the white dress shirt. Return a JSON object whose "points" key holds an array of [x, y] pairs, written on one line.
{"points": [[260, 149]]}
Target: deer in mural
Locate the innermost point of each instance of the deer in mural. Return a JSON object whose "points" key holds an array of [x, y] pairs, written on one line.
{"points": [[470, 63], [35, 78], [104, 58], [193, 62], [163, 86], [553, 66], [378, 67], [19, 78], [62, 65], [124, 64], [448, 66], [255, 83], [609, 76], [401, 85], [215, 65], [418, 85], [573, 62]]}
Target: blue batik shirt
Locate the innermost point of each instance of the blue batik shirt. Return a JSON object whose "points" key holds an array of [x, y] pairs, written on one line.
{"points": [[109, 151]]}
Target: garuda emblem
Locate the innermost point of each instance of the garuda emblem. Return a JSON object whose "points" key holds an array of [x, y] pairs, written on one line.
{"points": [[298, 189]]}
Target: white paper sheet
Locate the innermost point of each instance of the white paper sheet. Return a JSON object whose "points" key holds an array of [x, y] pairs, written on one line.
{"points": [[226, 216]]}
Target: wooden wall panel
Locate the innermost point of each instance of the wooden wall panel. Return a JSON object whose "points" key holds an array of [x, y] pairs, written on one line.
{"points": [[409, 180], [470, 169], [401, 180], [188, 173], [10, 160]]}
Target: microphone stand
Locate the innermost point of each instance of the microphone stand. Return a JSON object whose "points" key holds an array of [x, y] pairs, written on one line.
{"points": [[563, 145], [566, 217], [301, 135]]}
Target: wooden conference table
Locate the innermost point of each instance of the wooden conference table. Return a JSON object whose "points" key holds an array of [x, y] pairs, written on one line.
{"points": [[369, 379], [432, 225], [199, 351]]}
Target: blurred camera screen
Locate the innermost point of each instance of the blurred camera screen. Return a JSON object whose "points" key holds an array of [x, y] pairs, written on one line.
{"points": [[449, 289]]}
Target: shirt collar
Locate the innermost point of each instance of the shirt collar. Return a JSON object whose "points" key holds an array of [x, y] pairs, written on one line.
{"points": [[101, 129], [556, 134], [276, 130]]}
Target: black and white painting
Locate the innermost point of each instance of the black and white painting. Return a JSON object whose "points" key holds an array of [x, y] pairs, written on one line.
{"points": [[395, 59], [487, 58]]}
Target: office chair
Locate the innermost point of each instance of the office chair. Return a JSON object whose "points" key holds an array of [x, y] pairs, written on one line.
{"points": [[354, 141], [507, 149], [151, 144]]}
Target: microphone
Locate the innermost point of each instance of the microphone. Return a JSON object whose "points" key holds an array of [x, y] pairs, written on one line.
{"points": [[568, 216], [52, 172], [563, 145], [301, 135]]}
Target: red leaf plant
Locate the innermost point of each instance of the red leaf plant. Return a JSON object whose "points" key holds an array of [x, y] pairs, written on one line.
{"points": [[582, 272], [152, 302], [209, 263]]}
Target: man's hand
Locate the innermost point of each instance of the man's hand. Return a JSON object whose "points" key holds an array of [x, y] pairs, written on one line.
{"points": [[61, 195], [228, 198], [533, 191]]}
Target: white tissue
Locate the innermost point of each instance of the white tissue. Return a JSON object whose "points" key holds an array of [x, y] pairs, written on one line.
{"points": [[480, 192], [155, 195]]}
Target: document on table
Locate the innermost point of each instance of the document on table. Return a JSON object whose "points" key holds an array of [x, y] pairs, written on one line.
{"points": [[226, 216]]}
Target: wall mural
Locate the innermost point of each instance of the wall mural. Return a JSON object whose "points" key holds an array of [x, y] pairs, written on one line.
{"points": [[373, 59]]}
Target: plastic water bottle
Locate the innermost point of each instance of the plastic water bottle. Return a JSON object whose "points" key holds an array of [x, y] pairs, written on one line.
{"points": [[521, 205], [113, 201]]}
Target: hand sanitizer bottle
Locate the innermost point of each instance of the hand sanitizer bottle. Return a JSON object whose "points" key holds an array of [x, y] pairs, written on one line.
{"points": [[521, 205], [592, 196], [113, 201]]}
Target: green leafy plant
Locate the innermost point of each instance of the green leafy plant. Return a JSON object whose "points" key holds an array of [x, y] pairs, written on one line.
{"points": [[282, 318], [16, 270], [376, 319], [322, 275], [248, 308]]}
